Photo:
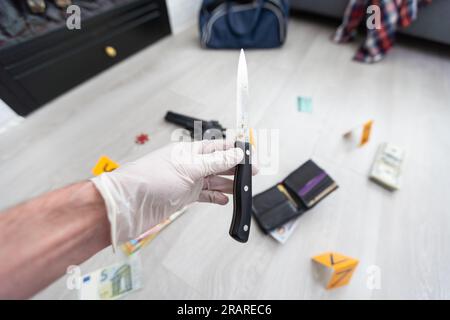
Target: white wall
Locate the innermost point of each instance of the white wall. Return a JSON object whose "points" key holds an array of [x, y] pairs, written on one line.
{"points": [[183, 13]]}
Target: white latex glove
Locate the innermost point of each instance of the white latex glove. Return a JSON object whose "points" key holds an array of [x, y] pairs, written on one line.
{"points": [[143, 193]]}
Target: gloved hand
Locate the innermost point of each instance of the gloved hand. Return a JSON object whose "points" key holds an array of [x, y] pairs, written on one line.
{"points": [[143, 193]]}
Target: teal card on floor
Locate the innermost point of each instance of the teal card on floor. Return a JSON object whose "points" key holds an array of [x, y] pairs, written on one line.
{"points": [[304, 104]]}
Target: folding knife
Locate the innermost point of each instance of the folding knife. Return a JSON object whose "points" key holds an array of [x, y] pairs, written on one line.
{"points": [[242, 190]]}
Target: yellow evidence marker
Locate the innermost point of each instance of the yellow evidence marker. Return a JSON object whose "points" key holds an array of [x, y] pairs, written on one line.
{"points": [[104, 164], [360, 135], [252, 138], [367, 129], [334, 269]]}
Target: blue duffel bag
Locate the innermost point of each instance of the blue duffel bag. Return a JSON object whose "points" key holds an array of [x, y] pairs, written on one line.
{"points": [[243, 24]]}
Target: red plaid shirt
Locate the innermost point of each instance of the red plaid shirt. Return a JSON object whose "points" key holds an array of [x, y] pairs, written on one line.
{"points": [[394, 14]]}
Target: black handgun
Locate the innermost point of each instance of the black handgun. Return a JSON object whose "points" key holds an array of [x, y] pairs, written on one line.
{"points": [[210, 130]]}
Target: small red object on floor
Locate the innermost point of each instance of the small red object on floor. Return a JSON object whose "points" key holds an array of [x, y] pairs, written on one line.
{"points": [[142, 138]]}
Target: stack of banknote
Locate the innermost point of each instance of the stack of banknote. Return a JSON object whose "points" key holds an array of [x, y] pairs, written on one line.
{"points": [[387, 166]]}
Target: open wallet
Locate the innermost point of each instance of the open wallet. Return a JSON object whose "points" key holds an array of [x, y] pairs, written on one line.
{"points": [[300, 191]]}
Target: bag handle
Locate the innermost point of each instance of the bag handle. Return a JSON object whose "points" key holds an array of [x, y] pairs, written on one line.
{"points": [[260, 4]]}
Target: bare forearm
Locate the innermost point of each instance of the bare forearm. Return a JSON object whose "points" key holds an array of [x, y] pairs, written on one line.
{"points": [[40, 238]]}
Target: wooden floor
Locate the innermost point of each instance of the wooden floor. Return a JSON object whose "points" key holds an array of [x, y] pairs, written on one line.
{"points": [[406, 234]]}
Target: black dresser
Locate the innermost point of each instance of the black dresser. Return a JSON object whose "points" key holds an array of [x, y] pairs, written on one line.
{"points": [[38, 69]]}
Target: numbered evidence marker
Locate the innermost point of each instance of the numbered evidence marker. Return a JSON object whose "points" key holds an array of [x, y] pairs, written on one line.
{"points": [[333, 269], [365, 136], [360, 135], [104, 164]]}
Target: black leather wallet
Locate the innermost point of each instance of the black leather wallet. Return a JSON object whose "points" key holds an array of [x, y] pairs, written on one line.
{"points": [[285, 201], [273, 208], [309, 184]]}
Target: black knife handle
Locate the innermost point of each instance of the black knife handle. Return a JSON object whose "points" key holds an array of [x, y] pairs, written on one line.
{"points": [[242, 196]]}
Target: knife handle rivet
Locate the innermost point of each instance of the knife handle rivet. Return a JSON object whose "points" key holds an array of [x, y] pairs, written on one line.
{"points": [[247, 152], [246, 228], [245, 188]]}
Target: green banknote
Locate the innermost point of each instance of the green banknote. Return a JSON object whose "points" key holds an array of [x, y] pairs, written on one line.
{"points": [[112, 282]]}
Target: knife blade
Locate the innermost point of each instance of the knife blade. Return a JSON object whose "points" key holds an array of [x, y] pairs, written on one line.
{"points": [[242, 188]]}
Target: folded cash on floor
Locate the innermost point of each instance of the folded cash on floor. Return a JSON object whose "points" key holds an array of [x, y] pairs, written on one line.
{"points": [[112, 282], [387, 166], [277, 209]]}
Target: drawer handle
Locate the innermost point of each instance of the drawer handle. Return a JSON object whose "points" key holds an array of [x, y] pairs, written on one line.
{"points": [[111, 51]]}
